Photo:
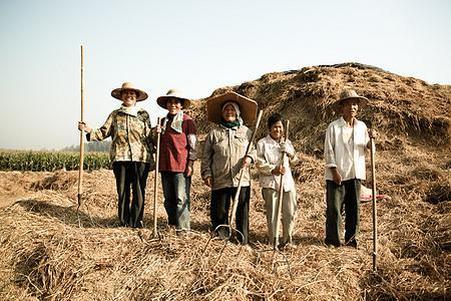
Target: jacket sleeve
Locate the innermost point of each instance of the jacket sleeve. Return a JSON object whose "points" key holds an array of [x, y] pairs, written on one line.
{"points": [[103, 132], [263, 166], [329, 147], [207, 157]]}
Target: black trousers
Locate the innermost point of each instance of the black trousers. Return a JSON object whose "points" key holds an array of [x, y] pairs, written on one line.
{"points": [[348, 193], [219, 211], [131, 176]]}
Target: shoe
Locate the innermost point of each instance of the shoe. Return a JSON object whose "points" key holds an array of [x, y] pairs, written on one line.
{"points": [[332, 244], [352, 243]]}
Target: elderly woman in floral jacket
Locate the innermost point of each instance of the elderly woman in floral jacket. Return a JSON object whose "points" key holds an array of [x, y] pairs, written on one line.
{"points": [[131, 151], [224, 157]]}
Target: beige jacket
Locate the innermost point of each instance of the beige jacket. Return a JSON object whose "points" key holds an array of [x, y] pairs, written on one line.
{"points": [[223, 156], [130, 135]]}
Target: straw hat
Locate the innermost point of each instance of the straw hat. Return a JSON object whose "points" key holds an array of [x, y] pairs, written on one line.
{"points": [[171, 94], [248, 107], [349, 94], [140, 95]]}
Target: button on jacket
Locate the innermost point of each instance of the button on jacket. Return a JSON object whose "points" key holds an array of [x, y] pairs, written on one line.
{"points": [[222, 157], [268, 157], [348, 158], [131, 139]]}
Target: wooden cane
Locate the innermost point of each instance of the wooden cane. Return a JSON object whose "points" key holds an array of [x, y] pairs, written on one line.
{"points": [[280, 196], [155, 184], [238, 190], [80, 169], [373, 174]]}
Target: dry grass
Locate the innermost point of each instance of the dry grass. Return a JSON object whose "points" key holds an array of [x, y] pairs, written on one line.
{"points": [[51, 253]]}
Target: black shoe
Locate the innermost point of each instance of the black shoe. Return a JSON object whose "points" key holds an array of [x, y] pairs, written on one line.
{"points": [[352, 243], [330, 243]]}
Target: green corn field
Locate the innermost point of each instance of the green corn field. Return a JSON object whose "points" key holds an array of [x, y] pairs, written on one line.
{"points": [[51, 161]]}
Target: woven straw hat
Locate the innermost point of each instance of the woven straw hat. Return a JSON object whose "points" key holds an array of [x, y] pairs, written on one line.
{"points": [[173, 93], [140, 94], [350, 94], [248, 107]]}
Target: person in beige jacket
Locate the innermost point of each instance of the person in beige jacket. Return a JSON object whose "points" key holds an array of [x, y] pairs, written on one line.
{"points": [[224, 157]]}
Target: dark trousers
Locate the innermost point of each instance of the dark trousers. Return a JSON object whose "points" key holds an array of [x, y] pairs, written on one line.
{"points": [[176, 190], [131, 175], [219, 211], [347, 194]]}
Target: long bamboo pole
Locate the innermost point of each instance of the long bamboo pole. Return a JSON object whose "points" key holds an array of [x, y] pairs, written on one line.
{"points": [[80, 169], [373, 173], [280, 196], [238, 190], [155, 183]]}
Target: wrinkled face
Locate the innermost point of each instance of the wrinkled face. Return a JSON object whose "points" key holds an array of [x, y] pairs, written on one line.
{"points": [[276, 130], [173, 105], [349, 108], [128, 98], [229, 113]]}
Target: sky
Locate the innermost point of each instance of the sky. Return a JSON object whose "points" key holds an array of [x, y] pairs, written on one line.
{"points": [[195, 46]]}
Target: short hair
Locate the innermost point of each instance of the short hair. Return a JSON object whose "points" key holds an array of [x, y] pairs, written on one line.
{"points": [[274, 118]]}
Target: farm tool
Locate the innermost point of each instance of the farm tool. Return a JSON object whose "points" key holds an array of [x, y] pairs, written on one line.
{"points": [[373, 200], [155, 183], [82, 148]]}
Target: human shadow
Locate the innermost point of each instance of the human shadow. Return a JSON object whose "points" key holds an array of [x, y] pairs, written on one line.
{"points": [[68, 214]]}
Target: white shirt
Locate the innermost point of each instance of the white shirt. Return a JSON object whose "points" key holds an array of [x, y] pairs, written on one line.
{"points": [[344, 148], [268, 157]]}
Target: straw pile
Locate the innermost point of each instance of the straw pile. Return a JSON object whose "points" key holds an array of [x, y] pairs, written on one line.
{"points": [[51, 253]]}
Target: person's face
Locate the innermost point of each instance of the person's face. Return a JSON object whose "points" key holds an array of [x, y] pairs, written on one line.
{"points": [[173, 105], [229, 113], [276, 130], [128, 98], [350, 108]]}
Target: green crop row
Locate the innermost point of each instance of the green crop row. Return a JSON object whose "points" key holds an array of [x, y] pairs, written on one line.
{"points": [[51, 161]]}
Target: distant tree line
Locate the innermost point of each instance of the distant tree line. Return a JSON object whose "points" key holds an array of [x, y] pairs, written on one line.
{"points": [[94, 146]]}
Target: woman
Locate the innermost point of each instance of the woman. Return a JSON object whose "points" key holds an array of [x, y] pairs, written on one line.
{"points": [[131, 151], [224, 157], [270, 167], [177, 156]]}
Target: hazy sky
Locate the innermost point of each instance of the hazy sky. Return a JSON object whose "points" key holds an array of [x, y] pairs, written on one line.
{"points": [[195, 46]]}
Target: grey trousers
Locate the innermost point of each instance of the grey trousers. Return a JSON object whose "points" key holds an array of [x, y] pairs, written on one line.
{"points": [[289, 207]]}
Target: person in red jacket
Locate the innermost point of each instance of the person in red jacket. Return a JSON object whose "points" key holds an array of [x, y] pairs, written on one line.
{"points": [[177, 156]]}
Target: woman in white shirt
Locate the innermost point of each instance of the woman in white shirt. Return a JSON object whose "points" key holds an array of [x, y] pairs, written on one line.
{"points": [[270, 166]]}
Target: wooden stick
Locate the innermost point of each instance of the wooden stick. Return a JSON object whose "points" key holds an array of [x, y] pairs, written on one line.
{"points": [[280, 196], [238, 190], [80, 169], [155, 184], [373, 173]]}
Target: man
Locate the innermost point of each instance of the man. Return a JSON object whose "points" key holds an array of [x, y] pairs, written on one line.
{"points": [[177, 155], [344, 150]]}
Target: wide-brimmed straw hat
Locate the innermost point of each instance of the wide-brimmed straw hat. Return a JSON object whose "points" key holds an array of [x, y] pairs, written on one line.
{"points": [[173, 94], [349, 94], [248, 107], [140, 94]]}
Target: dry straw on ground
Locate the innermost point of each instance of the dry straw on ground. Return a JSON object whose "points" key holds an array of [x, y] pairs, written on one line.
{"points": [[51, 253]]}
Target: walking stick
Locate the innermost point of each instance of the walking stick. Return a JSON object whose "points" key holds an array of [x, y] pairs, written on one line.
{"points": [[238, 190], [80, 169], [280, 197], [373, 174], [155, 184]]}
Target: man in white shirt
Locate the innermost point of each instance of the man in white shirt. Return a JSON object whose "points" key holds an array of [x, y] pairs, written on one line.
{"points": [[344, 150]]}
